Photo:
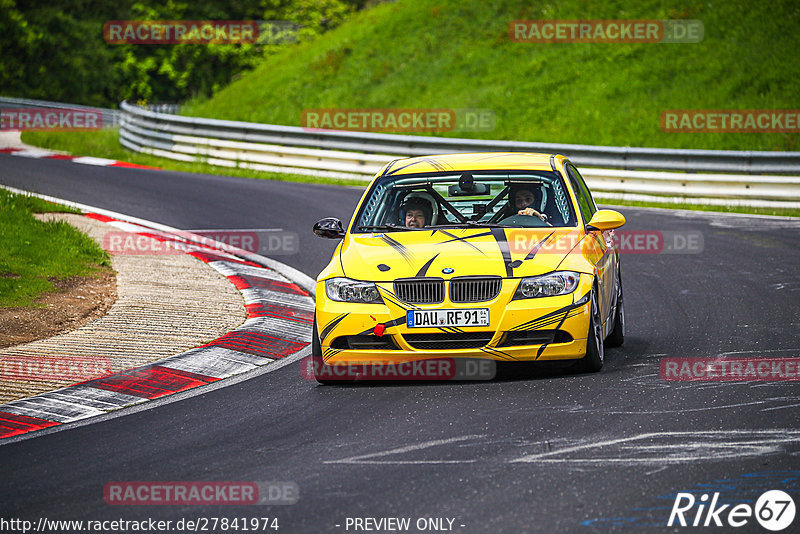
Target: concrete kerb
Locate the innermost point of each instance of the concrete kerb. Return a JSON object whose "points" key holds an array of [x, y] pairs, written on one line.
{"points": [[166, 304], [273, 336]]}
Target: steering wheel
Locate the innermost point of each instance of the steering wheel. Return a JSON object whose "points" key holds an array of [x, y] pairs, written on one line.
{"points": [[525, 221]]}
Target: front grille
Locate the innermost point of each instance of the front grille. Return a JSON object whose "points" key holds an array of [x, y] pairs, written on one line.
{"points": [[364, 343], [535, 337], [474, 289], [420, 290], [467, 340]]}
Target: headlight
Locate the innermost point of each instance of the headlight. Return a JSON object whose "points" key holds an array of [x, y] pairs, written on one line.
{"points": [[346, 290], [547, 285]]}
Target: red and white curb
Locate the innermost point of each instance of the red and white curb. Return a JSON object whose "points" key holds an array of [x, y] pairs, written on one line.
{"points": [[38, 153], [280, 315]]}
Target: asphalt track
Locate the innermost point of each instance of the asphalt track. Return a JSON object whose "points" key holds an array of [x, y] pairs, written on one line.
{"points": [[544, 452]]}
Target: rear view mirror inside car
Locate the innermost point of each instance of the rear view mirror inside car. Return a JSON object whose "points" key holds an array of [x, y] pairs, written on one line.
{"points": [[478, 189]]}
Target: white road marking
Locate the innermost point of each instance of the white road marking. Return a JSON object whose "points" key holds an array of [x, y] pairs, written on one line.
{"points": [[659, 449], [34, 153], [706, 445], [681, 410], [89, 160], [362, 459], [779, 407], [656, 470], [759, 351]]}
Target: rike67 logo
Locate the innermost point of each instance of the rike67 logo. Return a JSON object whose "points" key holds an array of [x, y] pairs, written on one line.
{"points": [[774, 510]]}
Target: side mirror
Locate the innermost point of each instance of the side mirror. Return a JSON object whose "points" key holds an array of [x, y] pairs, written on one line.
{"points": [[329, 227], [605, 220]]}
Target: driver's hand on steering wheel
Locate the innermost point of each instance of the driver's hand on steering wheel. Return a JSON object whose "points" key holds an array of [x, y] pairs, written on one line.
{"points": [[533, 213]]}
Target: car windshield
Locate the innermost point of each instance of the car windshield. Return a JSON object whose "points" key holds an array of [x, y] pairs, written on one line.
{"points": [[466, 199]]}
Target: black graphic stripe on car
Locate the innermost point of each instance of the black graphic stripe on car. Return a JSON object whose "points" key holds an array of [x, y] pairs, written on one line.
{"points": [[425, 267], [330, 353], [536, 248], [544, 345], [495, 352], [548, 318], [399, 247], [463, 239], [392, 298], [502, 242], [430, 161], [327, 330]]}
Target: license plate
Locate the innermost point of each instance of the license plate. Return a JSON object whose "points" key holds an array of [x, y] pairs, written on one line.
{"points": [[458, 318]]}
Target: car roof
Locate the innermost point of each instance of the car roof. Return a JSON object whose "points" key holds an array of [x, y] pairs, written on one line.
{"points": [[472, 161]]}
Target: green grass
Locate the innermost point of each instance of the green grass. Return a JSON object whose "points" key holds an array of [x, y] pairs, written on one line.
{"points": [[35, 252], [31, 204], [457, 54]]}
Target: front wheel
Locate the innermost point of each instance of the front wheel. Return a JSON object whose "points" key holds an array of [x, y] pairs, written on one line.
{"points": [[593, 361], [617, 336], [320, 368]]}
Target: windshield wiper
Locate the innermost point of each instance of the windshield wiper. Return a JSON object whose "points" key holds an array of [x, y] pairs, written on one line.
{"points": [[386, 227], [478, 224]]}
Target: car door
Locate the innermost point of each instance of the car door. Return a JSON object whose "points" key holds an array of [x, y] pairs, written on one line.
{"points": [[606, 264]]}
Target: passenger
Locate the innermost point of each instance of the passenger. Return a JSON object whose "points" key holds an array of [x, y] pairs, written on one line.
{"points": [[416, 212]]}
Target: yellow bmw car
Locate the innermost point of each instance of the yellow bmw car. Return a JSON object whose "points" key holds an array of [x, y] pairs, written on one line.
{"points": [[499, 256]]}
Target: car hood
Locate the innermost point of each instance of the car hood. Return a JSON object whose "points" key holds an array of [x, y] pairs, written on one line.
{"points": [[468, 252]]}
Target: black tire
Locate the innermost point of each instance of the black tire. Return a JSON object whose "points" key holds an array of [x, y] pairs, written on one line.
{"points": [[617, 336], [593, 361], [319, 363], [316, 354]]}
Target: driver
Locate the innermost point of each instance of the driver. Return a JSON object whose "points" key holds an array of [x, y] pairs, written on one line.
{"points": [[416, 212], [524, 198]]}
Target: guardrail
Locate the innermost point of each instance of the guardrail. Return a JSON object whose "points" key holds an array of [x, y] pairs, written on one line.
{"points": [[110, 116], [344, 154]]}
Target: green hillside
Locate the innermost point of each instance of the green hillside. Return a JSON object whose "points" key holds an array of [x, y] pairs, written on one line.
{"points": [[457, 54]]}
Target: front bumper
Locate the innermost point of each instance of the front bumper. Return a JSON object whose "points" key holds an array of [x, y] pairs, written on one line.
{"points": [[567, 314]]}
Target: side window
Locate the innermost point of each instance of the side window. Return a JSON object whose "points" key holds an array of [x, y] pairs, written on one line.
{"points": [[585, 188], [585, 200]]}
